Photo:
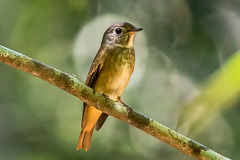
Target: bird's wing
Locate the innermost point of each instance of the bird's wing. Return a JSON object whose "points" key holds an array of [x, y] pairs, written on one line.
{"points": [[94, 73]]}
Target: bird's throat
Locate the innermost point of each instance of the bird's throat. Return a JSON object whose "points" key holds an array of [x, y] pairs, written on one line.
{"points": [[131, 40]]}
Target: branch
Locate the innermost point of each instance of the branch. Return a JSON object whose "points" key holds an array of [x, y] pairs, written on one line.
{"points": [[72, 85]]}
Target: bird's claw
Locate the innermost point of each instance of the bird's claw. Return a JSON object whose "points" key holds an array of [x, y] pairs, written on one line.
{"points": [[129, 109], [106, 96]]}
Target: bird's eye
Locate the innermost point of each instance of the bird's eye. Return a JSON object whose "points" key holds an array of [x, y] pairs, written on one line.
{"points": [[118, 30]]}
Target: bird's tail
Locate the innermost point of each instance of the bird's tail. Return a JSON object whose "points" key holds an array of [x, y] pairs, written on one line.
{"points": [[84, 140]]}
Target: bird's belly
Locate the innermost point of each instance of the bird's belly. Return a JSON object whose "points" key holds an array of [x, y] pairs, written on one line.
{"points": [[113, 80]]}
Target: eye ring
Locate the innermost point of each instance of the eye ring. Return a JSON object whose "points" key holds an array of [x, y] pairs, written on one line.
{"points": [[118, 30]]}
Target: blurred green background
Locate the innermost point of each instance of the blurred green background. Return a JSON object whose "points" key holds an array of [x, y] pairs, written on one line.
{"points": [[183, 43]]}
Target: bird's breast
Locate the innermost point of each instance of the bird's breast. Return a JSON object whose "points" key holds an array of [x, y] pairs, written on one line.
{"points": [[116, 72]]}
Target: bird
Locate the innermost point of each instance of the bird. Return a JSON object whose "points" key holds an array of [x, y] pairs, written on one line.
{"points": [[109, 75]]}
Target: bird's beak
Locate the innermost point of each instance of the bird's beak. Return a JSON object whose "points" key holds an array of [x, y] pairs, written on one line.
{"points": [[136, 29]]}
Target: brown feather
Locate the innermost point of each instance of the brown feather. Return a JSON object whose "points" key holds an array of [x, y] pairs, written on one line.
{"points": [[85, 140], [101, 121], [93, 74]]}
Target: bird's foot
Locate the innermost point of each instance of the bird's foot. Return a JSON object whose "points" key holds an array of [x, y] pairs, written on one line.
{"points": [[129, 109], [106, 96]]}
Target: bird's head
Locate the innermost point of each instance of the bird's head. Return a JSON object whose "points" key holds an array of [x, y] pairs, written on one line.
{"points": [[120, 34]]}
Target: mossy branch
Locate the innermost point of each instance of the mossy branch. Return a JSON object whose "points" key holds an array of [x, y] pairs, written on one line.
{"points": [[72, 85]]}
